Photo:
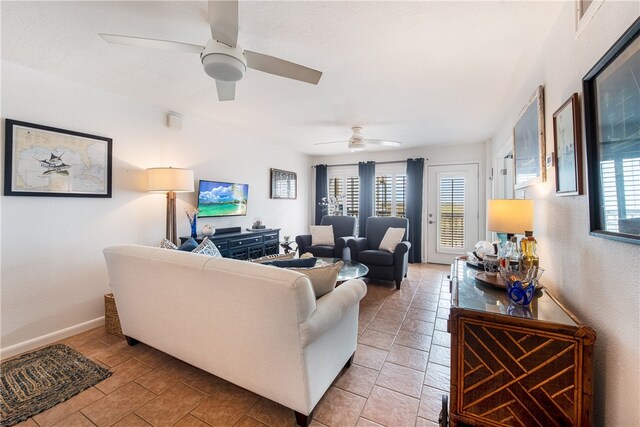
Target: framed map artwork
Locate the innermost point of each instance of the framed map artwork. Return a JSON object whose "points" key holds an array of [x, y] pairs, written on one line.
{"points": [[46, 161]]}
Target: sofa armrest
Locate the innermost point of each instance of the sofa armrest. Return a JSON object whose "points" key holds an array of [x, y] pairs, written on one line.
{"points": [[341, 245], [356, 245], [401, 249], [303, 241], [330, 309]]}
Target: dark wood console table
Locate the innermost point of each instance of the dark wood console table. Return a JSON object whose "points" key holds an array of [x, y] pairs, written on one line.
{"points": [[239, 244], [514, 365]]}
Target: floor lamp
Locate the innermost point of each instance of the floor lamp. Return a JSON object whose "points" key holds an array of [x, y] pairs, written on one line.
{"points": [[171, 180], [509, 216]]}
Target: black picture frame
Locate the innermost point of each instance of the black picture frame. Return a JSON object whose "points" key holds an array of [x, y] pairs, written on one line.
{"points": [[612, 128], [284, 184], [46, 161], [567, 144]]}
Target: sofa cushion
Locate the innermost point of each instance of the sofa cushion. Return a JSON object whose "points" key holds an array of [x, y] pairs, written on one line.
{"points": [[323, 278], [322, 235], [207, 247], [298, 262], [375, 257], [391, 238], [322, 250], [274, 257], [189, 245], [167, 244]]}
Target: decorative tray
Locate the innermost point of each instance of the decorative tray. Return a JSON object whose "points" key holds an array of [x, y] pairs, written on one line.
{"points": [[495, 281]]}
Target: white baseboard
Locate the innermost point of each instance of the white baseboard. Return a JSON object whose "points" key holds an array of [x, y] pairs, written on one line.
{"points": [[49, 338]]}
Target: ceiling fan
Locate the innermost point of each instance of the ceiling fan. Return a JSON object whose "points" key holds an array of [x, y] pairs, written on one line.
{"points": [[222, 58], [358, 142]]}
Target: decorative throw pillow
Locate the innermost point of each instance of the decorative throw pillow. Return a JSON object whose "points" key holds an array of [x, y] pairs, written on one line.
{"points": [[207, 247], [391, 238], [278, 257], [298, 262], [167, 244], [323, 279], [189, 245], [322, 235]]}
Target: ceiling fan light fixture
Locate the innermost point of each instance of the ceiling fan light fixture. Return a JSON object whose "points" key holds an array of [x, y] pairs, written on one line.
{"points": [[222, 62], [356, 146]]}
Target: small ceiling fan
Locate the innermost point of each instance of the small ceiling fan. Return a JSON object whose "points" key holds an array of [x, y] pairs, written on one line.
{"points": [[358, 142], [222, 58]]}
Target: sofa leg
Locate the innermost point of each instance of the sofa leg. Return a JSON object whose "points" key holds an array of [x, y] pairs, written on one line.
{"points": [[350, 361], [302, 419], [131, 341], [398, 282]]}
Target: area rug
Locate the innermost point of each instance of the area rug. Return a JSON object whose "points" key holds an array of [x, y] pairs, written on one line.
{"points": [[36, 381]]}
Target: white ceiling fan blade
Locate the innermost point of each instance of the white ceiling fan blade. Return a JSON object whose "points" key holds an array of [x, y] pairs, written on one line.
{"points": [[223, 20], [280, 67], [226, 90], [331, 142], [381, 142], [151, 43]]}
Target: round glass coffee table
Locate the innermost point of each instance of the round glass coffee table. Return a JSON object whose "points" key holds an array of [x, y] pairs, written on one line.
{"points": [[350, 269]]}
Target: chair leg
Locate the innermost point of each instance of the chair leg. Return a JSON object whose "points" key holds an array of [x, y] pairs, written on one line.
{"points": [[302, 419], [398, 282], [350, 361]]}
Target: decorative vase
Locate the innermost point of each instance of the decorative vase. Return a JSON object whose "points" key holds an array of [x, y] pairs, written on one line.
{"points": [[194, 232], [208, 230]]}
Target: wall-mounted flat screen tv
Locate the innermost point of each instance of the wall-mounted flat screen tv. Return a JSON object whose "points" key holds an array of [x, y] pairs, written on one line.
{"points": [[217, 198]]}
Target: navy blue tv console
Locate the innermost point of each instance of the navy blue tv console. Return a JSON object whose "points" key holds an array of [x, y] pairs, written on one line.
{"points": [[235, 243]]}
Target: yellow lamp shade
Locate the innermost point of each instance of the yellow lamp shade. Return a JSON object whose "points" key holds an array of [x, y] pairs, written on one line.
{"points": [[170, 179], [512, 216]]}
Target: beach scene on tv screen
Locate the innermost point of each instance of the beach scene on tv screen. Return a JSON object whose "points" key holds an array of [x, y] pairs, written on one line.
{"points": [[222, 199]]}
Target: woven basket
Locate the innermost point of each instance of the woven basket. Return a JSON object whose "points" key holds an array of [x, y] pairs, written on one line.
{"points": [[111, 319]]}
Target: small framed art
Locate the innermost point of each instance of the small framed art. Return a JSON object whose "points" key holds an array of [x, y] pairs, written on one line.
{"points": [[284, 184], [567, 145], [528, 143]]}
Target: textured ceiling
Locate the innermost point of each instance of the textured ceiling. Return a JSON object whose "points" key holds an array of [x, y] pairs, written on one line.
{"points": [[418, 72]]}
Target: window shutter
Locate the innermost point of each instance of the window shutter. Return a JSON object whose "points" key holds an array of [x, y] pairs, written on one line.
{"points": [[451, 223]]}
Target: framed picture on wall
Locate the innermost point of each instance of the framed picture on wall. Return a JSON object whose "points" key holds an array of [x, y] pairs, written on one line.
{"points": [[47, 161], [567, 143], [612, 126], [284, 184], [528, 143]]}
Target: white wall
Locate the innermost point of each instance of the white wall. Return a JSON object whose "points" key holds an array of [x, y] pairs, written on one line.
{"points": [[53, 274], [597, 279], [433, 155]]}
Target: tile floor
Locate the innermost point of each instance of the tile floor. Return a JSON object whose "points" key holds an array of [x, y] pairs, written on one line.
{"points": [[400, 371]]}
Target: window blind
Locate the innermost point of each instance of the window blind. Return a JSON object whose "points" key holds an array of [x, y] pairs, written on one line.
{"points": [[451, 212]]}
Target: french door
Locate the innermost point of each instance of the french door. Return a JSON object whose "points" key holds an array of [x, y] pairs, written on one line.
{"points": [[452, 211]]}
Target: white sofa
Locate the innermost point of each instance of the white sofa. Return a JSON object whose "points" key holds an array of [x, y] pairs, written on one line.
{"points": [[257, 326]]}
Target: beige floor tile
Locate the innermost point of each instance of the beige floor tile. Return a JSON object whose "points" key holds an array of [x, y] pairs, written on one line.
{"points": [[115, 354], [442, 313], [91, 347], [150, 356], [430, 403], [203, 381], [191, 421], [27, 423], [397, 304], [117, 405], [440, 355], [438, 376], [171, 406], [65, 409], [132, 420], [425, 305], [409, 357], [339, 408], [413, 340], [165, 376], [442, 338], [421, 422], [381, 340], [357, 379], [226, 406], [414, 325], [247, 421], [390, 408], [441, 325], [401, 379], [385, 325], [314, 423], [420, 314], [370, 357], [75, 420], [110, 339], [391, 314], [363, 422], [272, 414], [123, 373]]}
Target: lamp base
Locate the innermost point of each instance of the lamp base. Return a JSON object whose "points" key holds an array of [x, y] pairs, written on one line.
{"points": [[171, 226]]}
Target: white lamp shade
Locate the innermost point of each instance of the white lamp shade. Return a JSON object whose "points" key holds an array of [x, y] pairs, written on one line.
{"points": [[170, 179], [513, 216]]}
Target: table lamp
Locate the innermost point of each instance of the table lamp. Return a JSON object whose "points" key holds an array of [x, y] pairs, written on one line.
{"points": [[509, 216], [171, 180]]}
